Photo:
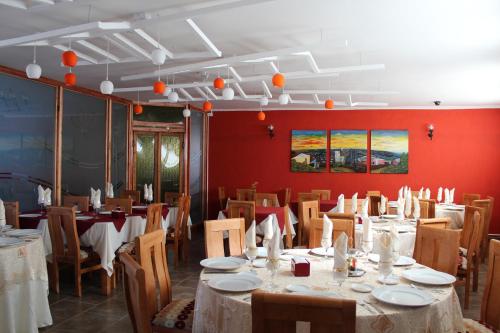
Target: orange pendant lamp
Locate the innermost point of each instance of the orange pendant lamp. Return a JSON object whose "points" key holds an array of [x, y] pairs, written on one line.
{"points": [[207, 106], [329, 103], [159, 87], [69, 58], [70, 79], [138, 109], [261, 116], [278, 80], [219, 83]]}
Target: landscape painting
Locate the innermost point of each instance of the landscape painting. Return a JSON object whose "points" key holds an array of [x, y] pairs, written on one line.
{"points": [[389, 151], [308, 151], [348, 150]]}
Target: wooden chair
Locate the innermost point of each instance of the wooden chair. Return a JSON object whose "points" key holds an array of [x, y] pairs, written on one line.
{"points": [[304, 196], [431, 207], [437, 248], [288, 228], [343, 216], [82, 202], [271, 199], [339, 226], [438, 223], [245, 209], [464, 274], [466, 236], [307, 211], [172, 198], [214, 237], [487, 205], [148, 288], [373, 205], [245, 194], [279, 313], [288, 196], [122, 203], [373, 193], [222, 197], [490, 306], [468, 198], [424, 209], [323, 194], [348, 205], [12, 213], [178, 237], [63, 220], [132, 194]]}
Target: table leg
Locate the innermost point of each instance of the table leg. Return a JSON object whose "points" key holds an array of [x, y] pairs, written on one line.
{"points": [[106, 283]]}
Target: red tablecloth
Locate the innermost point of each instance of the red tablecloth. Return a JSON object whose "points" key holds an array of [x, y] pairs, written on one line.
{"points": [[324, 206], [261, 213], [143, 211]]}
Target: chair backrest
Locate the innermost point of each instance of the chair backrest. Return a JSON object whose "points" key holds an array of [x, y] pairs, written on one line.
{"points": [[439, 223], [172, 198], [222, 197], [125, 204], [63, 220], [307, 211], [180, 231], [271, 199], [475, 238], [373, 205], [185, 218], [437, 248], [306, 196], [490, 307], [348, 205], [373, 193], [245, 194], [245, 209], [132, 194], [432, 207], [323, 194], [487, 205], [467, 229], [343, 216], [154, 217], [151, 256], [339, 226], [288, 228], [134, 280], [214, 237], [288, 196], [424, 209], [82, 202], [12, 213], [467, 198], [279, 313]]}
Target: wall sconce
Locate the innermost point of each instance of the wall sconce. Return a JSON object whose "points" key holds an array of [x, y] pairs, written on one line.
{"points": [[430, 131], [270, 130]]}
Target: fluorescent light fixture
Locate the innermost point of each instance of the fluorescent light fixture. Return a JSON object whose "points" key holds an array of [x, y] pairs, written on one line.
{"points": [[303, 53], [261, 59], [216, 66]]}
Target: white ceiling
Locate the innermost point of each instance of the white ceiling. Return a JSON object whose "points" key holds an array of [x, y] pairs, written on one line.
{"points": [[432, 50]]}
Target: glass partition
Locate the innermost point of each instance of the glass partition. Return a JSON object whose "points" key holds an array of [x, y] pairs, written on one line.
{"points": [[145, 160], [119, 147], [171, 162], [195, 166], [83, 143], [27, 111]]}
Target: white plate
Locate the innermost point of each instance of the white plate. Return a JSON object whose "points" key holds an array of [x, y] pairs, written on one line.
{"points": [[259, 263], [389, 217], [139, 207], [5, 241], [286, 257], [23, 232], [30, 215], [362, 287], [455, 209], [403, 295], [84, 218], [428, 276], [390, 280], [321, 251], [306, 290], [105, 212], [223, 263], [6, 227], [236, 283], [402, 261]]}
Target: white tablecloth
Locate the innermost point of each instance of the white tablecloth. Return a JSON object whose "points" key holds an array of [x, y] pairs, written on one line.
{"points": [[231, 312], [24, 305], [259, 227], [456, 216]]}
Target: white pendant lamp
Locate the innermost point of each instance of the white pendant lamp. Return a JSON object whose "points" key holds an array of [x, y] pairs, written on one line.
{"points": [[228, 93], [186, 112], [33, 70], [107, 86], [173, 97], [158, 56], [264, 101], [283, 99]]}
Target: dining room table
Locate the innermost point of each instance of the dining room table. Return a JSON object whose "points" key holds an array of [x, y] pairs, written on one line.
{"points": [[455, 212], [225, 311], [24, 304]]}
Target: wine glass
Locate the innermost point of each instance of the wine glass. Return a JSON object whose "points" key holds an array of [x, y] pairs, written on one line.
{"points": [[326, 243], [272, 266], [385, 269], [340, 273], [251, 253], [367, 246]]}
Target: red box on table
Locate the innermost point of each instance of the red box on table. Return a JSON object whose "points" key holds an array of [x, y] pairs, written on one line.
{"points": [[301, 266]]}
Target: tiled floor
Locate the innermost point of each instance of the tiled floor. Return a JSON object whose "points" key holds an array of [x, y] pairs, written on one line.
{"points": [[95, 313]]}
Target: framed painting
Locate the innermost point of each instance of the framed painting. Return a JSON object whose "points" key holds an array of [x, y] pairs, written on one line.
{"points": [[389, 151], [308, 151], [348, 151]]}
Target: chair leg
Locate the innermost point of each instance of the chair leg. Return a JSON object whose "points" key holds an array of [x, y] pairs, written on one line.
{"points": [[475, 274], [53, 270], [467, 289], [185, 251], [78, 281], [106, 283], [176, 255]]}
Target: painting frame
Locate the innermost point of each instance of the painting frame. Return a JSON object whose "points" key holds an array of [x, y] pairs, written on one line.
{"points": [[389, 151], [348, 150], [308, 151]]}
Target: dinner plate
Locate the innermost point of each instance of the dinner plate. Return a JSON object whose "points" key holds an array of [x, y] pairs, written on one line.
{"points": [[6, 241], [321, 251], [389, 280], [139, 207], [428, 276], [457, 209], [403, 296], [105, 212], [389, 217], [402, 261], [236, 283], [84, 218], [30, 215], [23, 232], [223, 263], [6, 227], [362, 287], [306, 290]]}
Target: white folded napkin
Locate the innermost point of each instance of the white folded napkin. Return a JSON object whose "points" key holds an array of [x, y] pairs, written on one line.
{"points": [[446, 196], [327, 231], [427, 194], [364, 207], [452, 195], [405, 191], [340, 253], [146, 192], [340, 204], [383, 204], [440, 194], [421, 193], [354, 203], [395, 242], [385, 247], [150, 192], [47, 197], [41, 195], [408, 203], [97, 199], [401, 208], [109, 191], [416, 208], [400, 192], [367, 233], [3, 221], [264, 202], [267, 225], [274, 250], [250, 238]]}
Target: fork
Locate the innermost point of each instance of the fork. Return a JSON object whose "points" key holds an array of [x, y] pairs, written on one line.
{"points": [[365, 306], [376, 307]]}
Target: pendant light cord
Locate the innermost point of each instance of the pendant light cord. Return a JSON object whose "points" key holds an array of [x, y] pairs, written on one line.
{"points": [[107, 64], [34, 54]]}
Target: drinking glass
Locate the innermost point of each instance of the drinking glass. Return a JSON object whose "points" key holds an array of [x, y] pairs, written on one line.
{"points": [[367, 246], [385, 269], [340, 274], [326, 243], [272, 266], [251, 253]]}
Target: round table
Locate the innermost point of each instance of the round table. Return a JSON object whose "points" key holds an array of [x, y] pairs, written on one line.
{"points": [[454, 212], [24, 304], [217, 311]]}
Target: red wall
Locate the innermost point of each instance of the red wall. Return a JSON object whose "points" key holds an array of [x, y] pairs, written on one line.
{"points": [[464, 152]]}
